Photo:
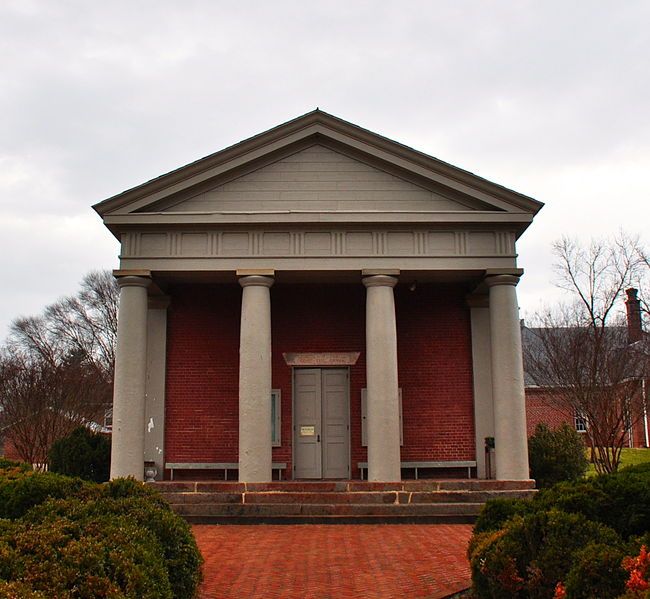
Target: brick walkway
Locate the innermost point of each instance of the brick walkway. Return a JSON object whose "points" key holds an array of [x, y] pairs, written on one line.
{"points": [[333, 561]]}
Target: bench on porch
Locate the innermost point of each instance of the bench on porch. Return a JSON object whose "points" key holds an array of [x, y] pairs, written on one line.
{"points": [[469, 464], [225, 466]]}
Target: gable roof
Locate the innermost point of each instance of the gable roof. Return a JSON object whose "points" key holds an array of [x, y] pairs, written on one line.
{"points": [[318, 127]]}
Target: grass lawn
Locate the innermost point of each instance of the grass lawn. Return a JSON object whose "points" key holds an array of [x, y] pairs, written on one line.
{"points": [[629, 457]]}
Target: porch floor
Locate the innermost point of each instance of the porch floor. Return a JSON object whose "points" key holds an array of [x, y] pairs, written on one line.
{"points": [[334, 561]]}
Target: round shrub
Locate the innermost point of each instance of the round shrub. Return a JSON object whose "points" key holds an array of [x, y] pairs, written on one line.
{"points": [[82, 453], [496, 512], [620, 500], [597, 571], [180, 553], [120, 488], [531, 554], [577, 498], [11, 465], [628, 507], [556, 455], [101, 557], [21, 490], [19, 590]]}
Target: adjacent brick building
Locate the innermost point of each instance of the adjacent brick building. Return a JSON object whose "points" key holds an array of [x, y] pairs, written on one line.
{"points": [[545, 406]]}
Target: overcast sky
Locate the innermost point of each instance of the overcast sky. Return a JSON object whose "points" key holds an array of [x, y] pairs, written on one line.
{"points": [[550, 98]]}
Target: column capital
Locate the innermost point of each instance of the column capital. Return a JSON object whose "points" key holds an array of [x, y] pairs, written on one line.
{"points": [[133, 281], [379, 281], [494, 280], [256, 281]]}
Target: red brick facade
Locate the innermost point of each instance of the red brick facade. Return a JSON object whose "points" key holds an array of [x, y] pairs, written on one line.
{"points": [[540, 408], [434, 354]]}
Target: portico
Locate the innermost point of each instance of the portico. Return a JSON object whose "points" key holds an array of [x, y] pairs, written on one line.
{"points": [[389, 270]]}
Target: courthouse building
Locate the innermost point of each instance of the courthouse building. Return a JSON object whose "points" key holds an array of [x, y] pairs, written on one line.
{"points": [[319, 302]]}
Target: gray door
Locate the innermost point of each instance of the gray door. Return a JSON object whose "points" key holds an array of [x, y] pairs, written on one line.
{"points": [[321, 423]]}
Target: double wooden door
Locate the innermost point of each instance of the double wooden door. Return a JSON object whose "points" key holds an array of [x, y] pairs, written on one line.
{"points": [[321, 423]]}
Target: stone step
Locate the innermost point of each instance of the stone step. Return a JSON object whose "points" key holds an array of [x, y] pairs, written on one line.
{"points": [[340, 520], [293, 509], [343, 486], [450, 501], [378, 497]]}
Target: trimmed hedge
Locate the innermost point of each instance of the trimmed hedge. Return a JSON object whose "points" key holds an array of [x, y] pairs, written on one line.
{"points": [[68, 538], [575, 534], [82, 453], [21, 490], [179, 551], [596, 571], [532, 553], [6, 464], [620, 501], [556, 455], [103, 557]]}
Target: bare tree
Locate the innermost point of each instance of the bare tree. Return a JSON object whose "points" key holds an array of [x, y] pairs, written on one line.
{"points": [[56, 370], [580, 351], [84, 324], [42, 402]]}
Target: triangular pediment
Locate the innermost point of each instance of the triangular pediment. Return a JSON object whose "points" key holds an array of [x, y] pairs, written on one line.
{"points": [[315, 165], [316, 178]]}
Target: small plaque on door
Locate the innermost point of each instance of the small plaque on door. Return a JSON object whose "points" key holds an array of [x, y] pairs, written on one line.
{"points": [[307, 431]]}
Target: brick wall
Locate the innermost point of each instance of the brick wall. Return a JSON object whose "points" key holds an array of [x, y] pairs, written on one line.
{"points": [[540, 409], [434, 353], [202, 374], [9, 450], [435, 373]]}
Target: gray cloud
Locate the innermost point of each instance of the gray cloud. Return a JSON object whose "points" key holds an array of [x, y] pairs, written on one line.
{"points": [[547, 98]]}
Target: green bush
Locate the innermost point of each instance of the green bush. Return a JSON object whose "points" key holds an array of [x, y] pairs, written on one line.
{"points": [[70, 538], [82, 453], [11, 465], [496, 512], [121, 488], [18, 590], [577, 498], [628, 506], [531, 554], [149, 511], [21, 490], [596, 571], [620, 500], [103, 557], [556, 455], [575, 533]]}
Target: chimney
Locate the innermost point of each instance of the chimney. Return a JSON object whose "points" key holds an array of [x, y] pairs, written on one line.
{"points": [[633, 304]]}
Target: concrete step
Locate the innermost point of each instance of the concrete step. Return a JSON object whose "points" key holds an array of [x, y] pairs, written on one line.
{"points": [[309, 520], [342, 486], [451, 501], [376, 497], [293, 509]]}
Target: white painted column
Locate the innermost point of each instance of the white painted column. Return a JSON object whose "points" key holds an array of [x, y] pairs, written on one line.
{"points": [[127, 443], [255, 380], [381, 373], [482, 371], [511, 444], [154, 429]]}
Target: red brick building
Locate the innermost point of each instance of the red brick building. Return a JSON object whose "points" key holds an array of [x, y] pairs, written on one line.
{"points": [[315, 302], [544, 407]]}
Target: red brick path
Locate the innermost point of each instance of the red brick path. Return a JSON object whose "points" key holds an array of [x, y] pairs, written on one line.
{"points": [[334, 561]]}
